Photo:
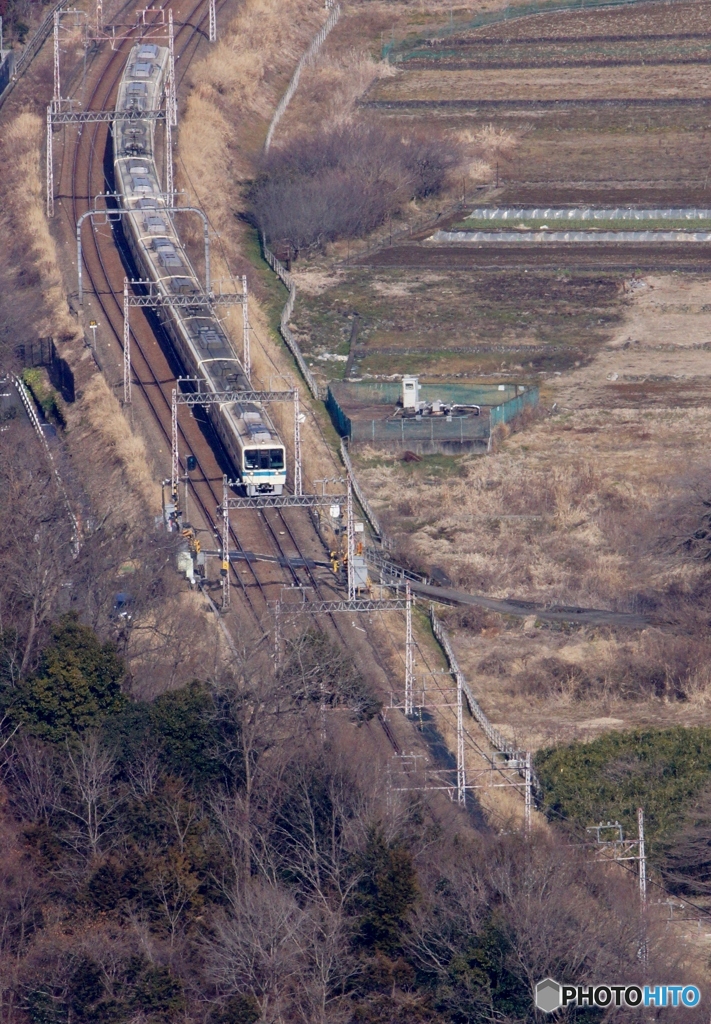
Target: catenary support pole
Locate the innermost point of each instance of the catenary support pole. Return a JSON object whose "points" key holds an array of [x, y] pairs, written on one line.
{"points": [[461, 772], [212, 35], [642, 857], [108, 214], [50, 166], [409, 652], [169, 186], [245, 330], [350, 541], [126, 347], [297, 448], [56, 97], [528, 795], [225, 546], [174, 457], [171, 71]]}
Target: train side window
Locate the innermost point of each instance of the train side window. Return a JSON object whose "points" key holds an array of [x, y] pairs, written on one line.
{"points": [[251, 458], [277, 458]]}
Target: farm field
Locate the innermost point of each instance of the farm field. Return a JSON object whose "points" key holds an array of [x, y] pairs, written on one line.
{"points": [[593, 502]]}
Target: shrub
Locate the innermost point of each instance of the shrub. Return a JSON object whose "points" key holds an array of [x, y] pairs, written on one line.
{"points": [[660, 770], [345, 181]]}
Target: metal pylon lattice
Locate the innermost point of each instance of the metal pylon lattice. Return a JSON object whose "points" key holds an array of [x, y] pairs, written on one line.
{"points": [[174, 456], [171, 71], [409, 653], [245, 330], [225, 571], [528, 795], [212, 35], [126, 348], [610, 841], [350, 541], [297, 446], [56, 97], [169, 185]]}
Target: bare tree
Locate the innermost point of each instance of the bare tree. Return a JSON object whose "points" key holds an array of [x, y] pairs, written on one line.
{"points": [[175, 887], [34, 778], [94, 798], [35, 546], [256, 948]]}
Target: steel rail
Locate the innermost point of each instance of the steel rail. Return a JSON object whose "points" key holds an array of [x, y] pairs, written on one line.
{"points": [[117, 60]]}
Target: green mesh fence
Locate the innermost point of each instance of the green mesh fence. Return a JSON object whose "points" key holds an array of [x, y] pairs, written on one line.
{"points": [[365, 412]]}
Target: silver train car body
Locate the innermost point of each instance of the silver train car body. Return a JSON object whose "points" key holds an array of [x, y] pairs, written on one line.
{"points": [[203, 348]]}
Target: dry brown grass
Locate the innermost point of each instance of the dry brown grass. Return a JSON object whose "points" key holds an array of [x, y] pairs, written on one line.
{"points": [[25, 227], [119, 476], [603, 493], [547, 84], [232, 95]]}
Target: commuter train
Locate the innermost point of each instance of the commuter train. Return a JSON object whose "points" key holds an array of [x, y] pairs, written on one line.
{"points": [[203, 348]]}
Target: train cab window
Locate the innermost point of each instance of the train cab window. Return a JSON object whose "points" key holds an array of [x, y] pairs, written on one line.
{"points": [[263, 458]]}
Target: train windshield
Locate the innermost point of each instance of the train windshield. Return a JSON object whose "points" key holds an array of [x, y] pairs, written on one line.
{"points": [[264, 458]]}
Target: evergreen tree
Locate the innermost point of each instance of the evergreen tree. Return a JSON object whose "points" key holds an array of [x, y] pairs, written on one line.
{"points": [[77, 684]]}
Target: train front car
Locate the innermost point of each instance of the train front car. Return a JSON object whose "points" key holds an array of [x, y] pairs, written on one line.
{"points": [[202, 347], [263, 459]]}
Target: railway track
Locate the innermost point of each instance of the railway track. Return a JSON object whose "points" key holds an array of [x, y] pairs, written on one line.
{"points": [[151, 366], [85, 173]]}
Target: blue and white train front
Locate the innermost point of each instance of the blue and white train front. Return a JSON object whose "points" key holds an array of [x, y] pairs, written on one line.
{"points": [[263, 468]]}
